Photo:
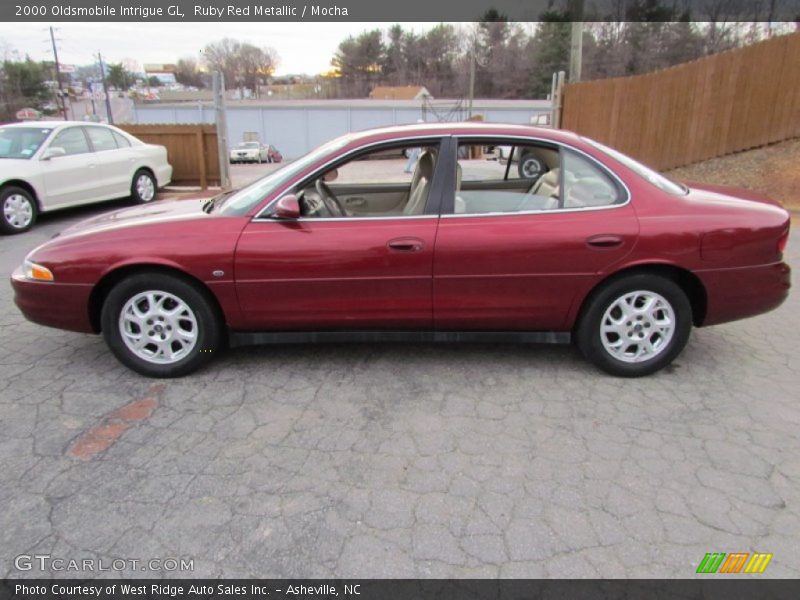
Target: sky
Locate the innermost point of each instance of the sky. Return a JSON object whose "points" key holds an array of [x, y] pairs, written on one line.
{"points": [[303, 47]]}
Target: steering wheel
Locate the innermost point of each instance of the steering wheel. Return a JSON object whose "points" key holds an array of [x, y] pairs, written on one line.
{"points": [[329, 199]]}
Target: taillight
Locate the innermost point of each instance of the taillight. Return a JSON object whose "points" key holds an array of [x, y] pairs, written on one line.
{"points": [[782, 241]]}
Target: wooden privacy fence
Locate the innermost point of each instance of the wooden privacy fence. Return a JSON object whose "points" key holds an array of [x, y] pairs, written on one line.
{"points": [[717, 105], [191, 150]]}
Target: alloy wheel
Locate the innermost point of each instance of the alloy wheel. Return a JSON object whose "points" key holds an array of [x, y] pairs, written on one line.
{"points": [[158, 327], [637, 326]]}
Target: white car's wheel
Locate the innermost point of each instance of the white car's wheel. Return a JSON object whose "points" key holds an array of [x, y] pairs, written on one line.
{"points": [[19, 210], [530, 167], [144, 187]]}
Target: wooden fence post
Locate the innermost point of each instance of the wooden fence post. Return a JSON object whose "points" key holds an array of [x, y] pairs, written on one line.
{"points": [[201, 152]]}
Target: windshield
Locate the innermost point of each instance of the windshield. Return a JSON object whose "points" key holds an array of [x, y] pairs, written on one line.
{"points": [[249, 145], [21, 142], [244, 200], [654, 177]]}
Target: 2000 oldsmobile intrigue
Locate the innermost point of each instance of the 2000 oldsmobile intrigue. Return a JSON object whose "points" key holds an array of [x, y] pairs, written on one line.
{"points": [[596, 248]]}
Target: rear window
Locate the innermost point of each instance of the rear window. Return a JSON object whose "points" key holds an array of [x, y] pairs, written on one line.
{"points": [[645, 172]]}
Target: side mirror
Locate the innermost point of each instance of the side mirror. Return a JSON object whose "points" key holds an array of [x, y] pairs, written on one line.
{"points": [[288, 207], [53, 152]]}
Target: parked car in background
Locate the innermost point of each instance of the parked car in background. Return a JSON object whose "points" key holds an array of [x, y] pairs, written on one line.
{"points": [[275, 155], [255, 152], [48, 165], [528, 163], [599, 250]]}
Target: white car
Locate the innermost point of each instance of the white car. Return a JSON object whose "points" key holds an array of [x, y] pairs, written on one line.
{"points": [[48, 165], [250, 152]]}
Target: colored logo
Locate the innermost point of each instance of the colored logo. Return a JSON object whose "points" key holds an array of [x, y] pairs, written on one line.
{"points": [[736, 562]]}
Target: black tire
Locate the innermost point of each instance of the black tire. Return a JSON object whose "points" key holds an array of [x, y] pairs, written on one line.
{"points": [[140, 195], [530, 167], [14, 217], [208, 329], [589, 338]]}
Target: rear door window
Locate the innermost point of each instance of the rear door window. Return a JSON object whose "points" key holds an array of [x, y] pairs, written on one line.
{"points": [[102, 139]]}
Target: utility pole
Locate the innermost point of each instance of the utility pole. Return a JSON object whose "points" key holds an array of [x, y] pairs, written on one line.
{"points": [[471, 81], [575, 8], [222, 130], [61, 98], [105, 90], [557, 99]]}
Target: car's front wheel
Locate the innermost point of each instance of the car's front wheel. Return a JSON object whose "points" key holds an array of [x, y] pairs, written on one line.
{"points": [[143, 187], [19, 209], [159, 325], [635, 326]]}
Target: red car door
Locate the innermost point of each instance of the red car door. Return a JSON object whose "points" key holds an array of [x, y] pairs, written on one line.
{"points": [[517, 260], [346, 274]]}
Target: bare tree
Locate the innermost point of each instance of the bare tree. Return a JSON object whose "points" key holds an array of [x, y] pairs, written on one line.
{"points": [[242, 63]]}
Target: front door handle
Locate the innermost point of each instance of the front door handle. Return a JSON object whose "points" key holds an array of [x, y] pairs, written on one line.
{"points": [[406, 245], [604, 241], [357, 201]]}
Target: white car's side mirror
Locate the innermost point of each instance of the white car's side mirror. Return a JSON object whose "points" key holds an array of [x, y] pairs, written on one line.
{"points": [[52, 152]]}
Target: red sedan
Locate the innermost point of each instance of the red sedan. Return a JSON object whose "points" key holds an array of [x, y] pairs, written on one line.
{"points": [[596, 249]]}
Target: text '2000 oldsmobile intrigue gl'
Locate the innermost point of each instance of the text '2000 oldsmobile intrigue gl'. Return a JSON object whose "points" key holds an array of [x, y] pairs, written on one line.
{"points": [[584, 244]]}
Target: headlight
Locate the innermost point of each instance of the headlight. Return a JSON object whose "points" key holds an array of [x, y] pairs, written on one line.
{"points": [[36, 272]]}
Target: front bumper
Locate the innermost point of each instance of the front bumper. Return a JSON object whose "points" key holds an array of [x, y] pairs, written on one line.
{"points": [[739, 293], [60, 305]]}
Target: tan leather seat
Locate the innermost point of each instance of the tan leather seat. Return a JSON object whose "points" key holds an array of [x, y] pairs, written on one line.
{"points": [[547, 184], [420, 184]]}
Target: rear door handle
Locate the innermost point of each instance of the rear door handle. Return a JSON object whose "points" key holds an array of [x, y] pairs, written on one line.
{"points": [[406, 245], [604, 241]]}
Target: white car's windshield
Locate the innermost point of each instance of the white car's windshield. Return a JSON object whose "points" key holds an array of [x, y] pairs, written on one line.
{"points": [[240, 202], [249, 145], [21, 142], [654, 177]]}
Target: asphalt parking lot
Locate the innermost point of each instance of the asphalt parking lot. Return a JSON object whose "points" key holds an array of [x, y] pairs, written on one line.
{"points": [[399, 460]]}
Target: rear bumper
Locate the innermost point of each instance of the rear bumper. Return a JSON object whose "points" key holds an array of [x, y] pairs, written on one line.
{"points": [[164, 175], [744, 292], [61, 305]]}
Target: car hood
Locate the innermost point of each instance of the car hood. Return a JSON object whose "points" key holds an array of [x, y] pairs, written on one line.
{"points": [[161, 211], [15, 167]]}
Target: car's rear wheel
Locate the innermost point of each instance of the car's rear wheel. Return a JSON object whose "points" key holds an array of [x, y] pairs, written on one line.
{"points": [[19, 209], [143, 187], [159, 325], [635, 326], [530, 167]]}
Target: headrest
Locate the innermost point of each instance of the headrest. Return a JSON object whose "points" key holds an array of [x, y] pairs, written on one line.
{"points": [[425, 165]]}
